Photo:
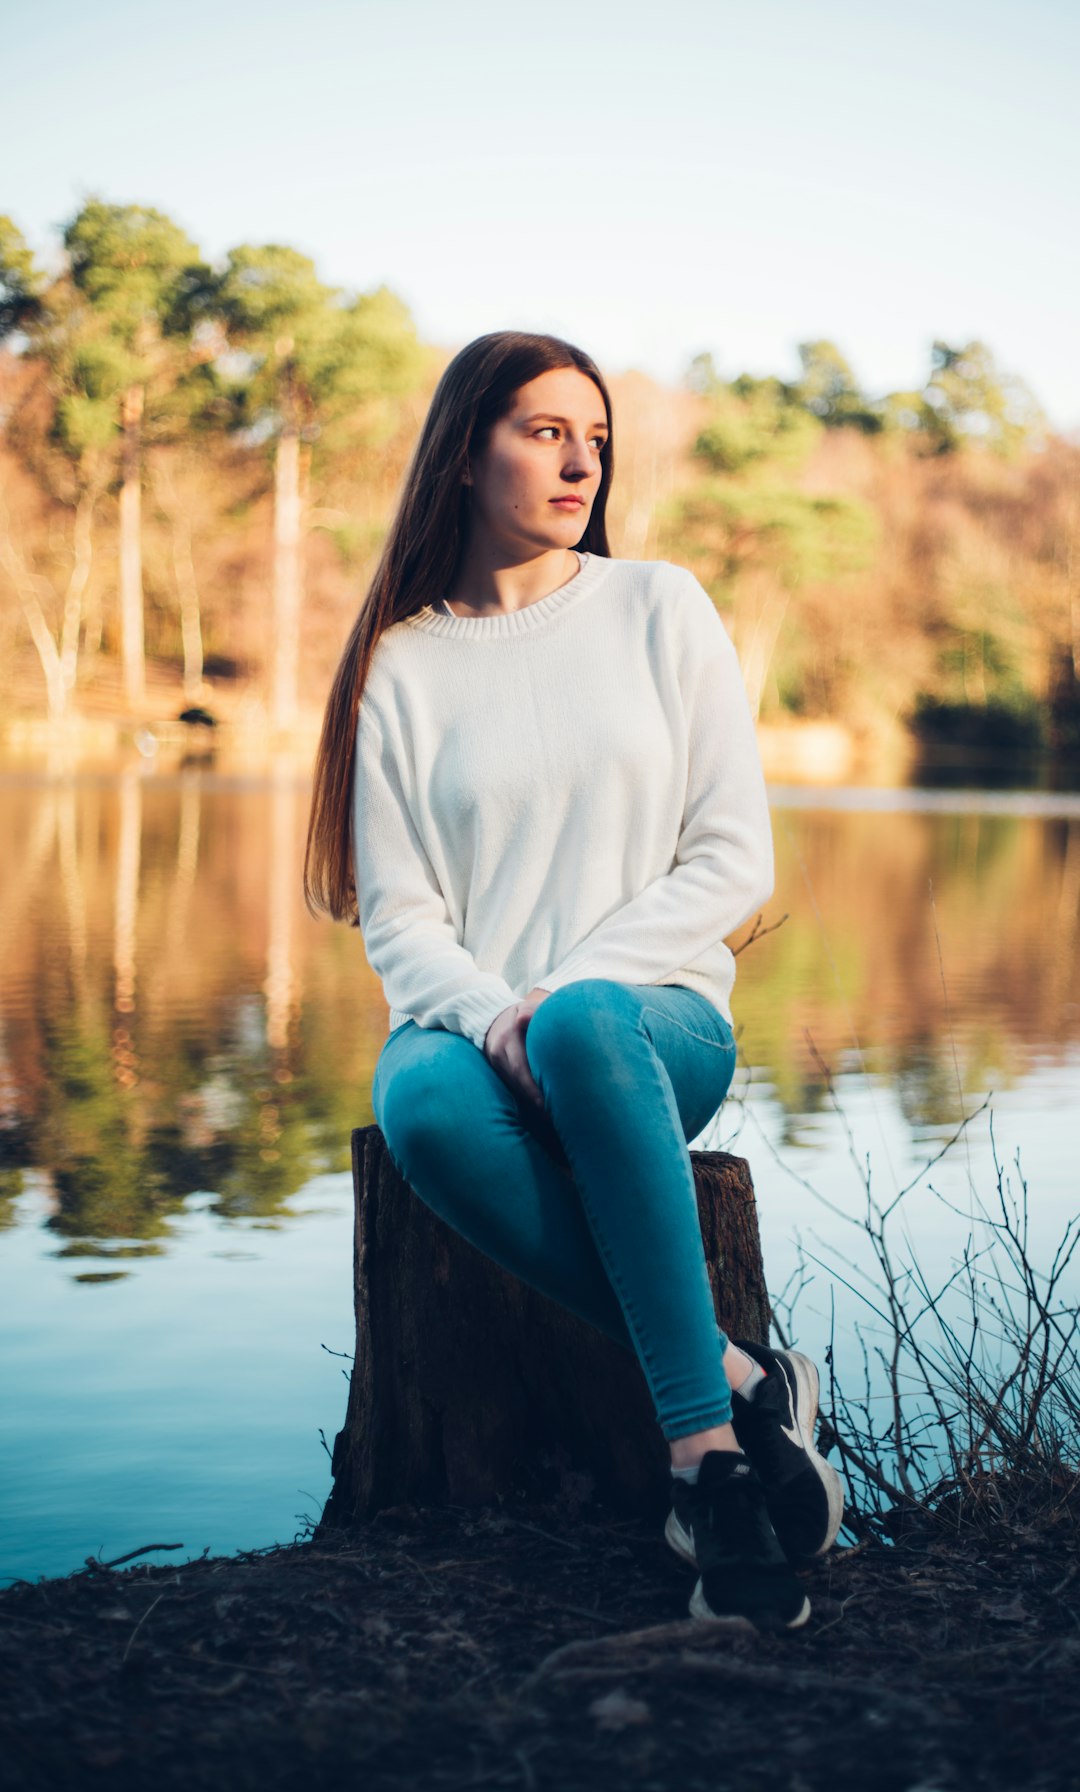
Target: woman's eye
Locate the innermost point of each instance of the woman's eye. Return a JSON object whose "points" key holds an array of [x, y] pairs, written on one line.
{"points": [[553, 429]]}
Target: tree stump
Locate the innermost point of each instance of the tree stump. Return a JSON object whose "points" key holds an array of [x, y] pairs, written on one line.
{"points": [[468, 1386]]}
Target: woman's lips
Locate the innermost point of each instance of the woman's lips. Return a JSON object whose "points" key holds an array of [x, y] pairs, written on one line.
{"points": [[568, 503]]}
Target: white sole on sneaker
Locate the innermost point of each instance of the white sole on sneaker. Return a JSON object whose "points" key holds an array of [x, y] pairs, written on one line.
{"points": [[683, 1546], [806, 1408], [732, 1620], [678, 1539]]}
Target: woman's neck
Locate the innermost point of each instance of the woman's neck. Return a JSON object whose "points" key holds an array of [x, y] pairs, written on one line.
{"points": [[485, 587]]}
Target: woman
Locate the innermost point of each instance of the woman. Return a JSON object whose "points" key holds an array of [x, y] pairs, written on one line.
{"points": [[538, 793]]}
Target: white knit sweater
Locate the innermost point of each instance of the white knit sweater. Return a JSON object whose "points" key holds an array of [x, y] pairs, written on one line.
{"points": [[569, 790]]}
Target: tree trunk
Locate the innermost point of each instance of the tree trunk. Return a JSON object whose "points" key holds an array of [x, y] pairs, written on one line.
{"points": [[56, 695], [30, 587], [187, 585], [287, 577], [131, 589], [468, 1385], [83, 552], [190, 614]]}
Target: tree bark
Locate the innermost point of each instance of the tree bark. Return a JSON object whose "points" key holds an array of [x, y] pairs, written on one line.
{"points": [[132, 648], [288, 578], [187, 585], [83, 553], [468, 1386], [58, 664]]}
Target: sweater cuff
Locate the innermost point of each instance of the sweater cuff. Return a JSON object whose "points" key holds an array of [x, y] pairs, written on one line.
{"points": [[477, 1011]]}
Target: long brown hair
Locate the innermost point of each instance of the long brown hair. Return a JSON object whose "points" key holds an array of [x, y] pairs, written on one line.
{"points": [[419, 562]]}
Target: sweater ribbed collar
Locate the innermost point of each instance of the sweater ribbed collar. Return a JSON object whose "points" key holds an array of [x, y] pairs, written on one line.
{"points": [[593, 569]]}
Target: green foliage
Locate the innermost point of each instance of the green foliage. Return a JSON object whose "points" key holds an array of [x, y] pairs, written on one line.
{"points": [[20, 281], [909, 413], [115, 318], [270, 291], [383, 352], [972, 399], [981, 696], [309, 357], [126, 261], [84, 423], [829, 390], [967, 398], [975, 664], [983, 642], [808, 539], [133, 268], [101, 366], [799, 537], [702, 376], [997, 726], [90, 370], [960, 615], [755, 420], [87, 1130], [11, 1184], [755, 539]]}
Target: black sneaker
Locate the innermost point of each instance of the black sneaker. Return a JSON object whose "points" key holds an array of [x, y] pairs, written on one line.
{"points": [[720, 1524], [803, 1492]]}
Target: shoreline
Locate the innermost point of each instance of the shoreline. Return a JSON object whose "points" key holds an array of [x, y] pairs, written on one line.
{"points": [[811, 755]]}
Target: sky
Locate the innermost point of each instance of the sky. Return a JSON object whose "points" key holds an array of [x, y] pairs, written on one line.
{"points": [[649, 181]]}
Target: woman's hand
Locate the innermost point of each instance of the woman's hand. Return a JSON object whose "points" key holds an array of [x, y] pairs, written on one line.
{"points": [[504, 1046]]}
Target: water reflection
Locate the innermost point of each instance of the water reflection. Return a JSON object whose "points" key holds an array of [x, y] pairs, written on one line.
{"points": [[934, 948], [153, 950], [172, 1020], [184, 1052]]}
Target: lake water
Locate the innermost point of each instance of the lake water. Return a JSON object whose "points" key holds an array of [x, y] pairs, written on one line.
{"points": [[184, 1052]]}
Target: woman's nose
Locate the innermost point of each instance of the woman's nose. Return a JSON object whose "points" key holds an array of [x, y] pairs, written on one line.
{"points": [[576, 460]]}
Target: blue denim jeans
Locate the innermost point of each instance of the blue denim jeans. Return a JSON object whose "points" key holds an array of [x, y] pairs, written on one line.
{"points": [[592, 1199]]}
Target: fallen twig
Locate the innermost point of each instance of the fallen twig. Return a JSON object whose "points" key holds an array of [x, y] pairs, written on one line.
{"points": [[147, 1549], [139, 1626]]}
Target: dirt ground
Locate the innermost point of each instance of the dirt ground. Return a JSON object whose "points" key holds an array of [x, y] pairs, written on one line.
{"points": [[530, 1647]]}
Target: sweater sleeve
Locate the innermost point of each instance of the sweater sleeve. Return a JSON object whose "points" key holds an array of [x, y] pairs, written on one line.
{"points": [[723, 869], [408, 933]]}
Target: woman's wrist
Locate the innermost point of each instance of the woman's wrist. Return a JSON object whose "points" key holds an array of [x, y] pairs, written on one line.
{"points": [[511, 1008]]}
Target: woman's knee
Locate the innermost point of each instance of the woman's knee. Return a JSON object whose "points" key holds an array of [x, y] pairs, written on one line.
{"points": [[579, 1023], [418, 1100]]}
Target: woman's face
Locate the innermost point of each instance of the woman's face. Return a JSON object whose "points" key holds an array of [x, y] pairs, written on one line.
{"points": [[534, 485]]}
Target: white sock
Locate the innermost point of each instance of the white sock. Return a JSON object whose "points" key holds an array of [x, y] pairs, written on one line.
{"points": [[749, 1387], [687, 1474]]}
